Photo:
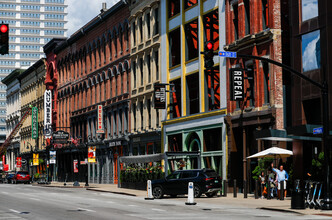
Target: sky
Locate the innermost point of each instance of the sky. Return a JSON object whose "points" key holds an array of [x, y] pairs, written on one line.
{"points": [[81, 12], [309, 47], [309, 9]]}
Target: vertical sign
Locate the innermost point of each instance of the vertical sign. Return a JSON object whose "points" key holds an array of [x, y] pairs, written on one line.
{"points": [[100, 129], [92, 155], [236, 87], [3, 159], [75, 166], [35, 159], [18, 162], [48, 114], [159, 96], [52, 157], [34, 125]]}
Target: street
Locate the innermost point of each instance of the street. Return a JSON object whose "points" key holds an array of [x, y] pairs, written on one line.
{"points": [[34, 202]]}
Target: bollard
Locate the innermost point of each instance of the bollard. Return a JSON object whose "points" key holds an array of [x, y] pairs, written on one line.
{"points": [[268, 190], [234, 189], [225, 188], [149, 191], [190, 194], [256, 189], [245, 192], [282, 190], [86, 180]]}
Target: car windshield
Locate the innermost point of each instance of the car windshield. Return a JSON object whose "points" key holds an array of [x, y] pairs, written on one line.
{"points": [[211, 173], [22, 173]]}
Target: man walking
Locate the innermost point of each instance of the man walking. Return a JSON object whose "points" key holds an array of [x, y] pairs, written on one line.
{"points": [[282, 176]]}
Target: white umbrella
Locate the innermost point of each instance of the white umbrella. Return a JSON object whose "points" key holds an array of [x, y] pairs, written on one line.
{"points": [[272, 152]]}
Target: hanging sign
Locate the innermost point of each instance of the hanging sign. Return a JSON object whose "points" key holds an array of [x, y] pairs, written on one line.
{"points": [[48, 114], [18, 162], [92, 155], [100, 129], [34, 125], [35, 159], [236, 87], [159, 96], [52, 157], [60, 137], [75, 166]]}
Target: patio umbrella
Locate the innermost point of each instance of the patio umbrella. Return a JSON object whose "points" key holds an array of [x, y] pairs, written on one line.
{"points": [[273, 152]]}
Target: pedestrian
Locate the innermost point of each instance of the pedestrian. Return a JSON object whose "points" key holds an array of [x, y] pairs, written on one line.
{"points": [[271, 181], [263, 184], [282, 177]]}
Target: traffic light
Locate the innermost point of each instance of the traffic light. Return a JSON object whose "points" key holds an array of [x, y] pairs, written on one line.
{"points": [[4, 47], [208, 54]]}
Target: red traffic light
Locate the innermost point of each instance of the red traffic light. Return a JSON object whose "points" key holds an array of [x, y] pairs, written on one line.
{"points": [[209, 46], [4, 28]]}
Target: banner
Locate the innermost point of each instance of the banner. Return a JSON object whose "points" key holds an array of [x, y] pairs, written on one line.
{"points": [[159, 96], [52, 157], [18, 162], [35, 159], [34, 125], [75, 166], [100, 129], [92, 155], [48, 114]]}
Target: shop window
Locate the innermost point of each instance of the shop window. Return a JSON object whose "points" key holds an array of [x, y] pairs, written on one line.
{"points": [[247, 16], [141, 70], [142, 149], [311, 51], [309, 9], [156, 21], [190, 3], [192, 94], [175, 143], [148, 63], [135, 150], [173, 7], [265, 15], [175, 48], [266, 82], [236, 21], [212, 140], [211, 28], [149, 148], [156, 61], [175, 107], [191, 40], [148, 25], [212, 82]]}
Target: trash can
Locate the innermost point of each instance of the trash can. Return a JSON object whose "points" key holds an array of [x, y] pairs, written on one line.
{"points": [[297, 201]]}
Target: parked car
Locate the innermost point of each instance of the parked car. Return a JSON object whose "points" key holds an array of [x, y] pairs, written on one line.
{"points": [[21, 177], [206, 181], [9, 177]]}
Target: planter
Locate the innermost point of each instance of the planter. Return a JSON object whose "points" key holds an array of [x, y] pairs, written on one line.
{"points": [[124, 185], [131, 185]]}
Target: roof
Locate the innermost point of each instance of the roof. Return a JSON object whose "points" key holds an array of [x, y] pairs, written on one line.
{"points": [[32, 68], [12, 76]]}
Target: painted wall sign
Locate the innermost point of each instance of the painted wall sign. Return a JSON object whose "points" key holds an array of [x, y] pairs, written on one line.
{"points": [[236, 87], [48, 114]]}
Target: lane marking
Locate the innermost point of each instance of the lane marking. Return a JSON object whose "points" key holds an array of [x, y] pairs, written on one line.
{"points": [[110, 202], [88, 210], [159, 210], [13, 210], [35, 199], [132, 205]]}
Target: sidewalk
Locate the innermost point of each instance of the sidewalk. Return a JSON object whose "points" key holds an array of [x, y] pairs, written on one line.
{"points": [[250, 202]]}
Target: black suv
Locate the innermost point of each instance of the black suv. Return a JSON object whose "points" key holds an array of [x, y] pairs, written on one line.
{"points": [[205, 181]]}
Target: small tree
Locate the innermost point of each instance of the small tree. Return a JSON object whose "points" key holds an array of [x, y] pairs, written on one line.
{"points": [[263, 165], [317, 167]]}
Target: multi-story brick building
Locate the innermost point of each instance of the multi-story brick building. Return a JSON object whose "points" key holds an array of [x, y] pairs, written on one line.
{"points": [[93, 70], [254, 28], [194, 132]]}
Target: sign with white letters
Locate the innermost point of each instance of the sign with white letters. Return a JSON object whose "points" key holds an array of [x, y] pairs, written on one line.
{"points": [[48, 114], [236, 87]]}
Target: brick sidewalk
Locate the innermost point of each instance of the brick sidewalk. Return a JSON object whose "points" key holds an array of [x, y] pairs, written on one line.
{"points": [[250, 202]]}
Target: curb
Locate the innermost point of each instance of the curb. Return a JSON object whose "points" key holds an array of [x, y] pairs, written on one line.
{"points": [[280, 210], [114, 192]]}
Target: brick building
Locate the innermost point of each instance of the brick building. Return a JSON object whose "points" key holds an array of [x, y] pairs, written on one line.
{"points": [[93, 70], [254, 28]]}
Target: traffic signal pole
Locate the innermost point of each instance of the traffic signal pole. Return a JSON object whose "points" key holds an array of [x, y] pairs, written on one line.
{"points": [[327, 202]]}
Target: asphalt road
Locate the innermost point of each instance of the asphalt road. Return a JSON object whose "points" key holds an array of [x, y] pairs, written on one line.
{"points": [[34, 202]]}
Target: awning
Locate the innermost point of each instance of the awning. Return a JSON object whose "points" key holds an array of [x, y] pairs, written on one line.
{"points": [[142, 158], [281, 135]]}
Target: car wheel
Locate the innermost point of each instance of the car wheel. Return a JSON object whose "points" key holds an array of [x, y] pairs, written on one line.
{"points": [[157, 192], [197, 192], [210, 195]]}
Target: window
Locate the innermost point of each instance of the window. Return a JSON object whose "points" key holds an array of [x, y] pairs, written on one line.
{"points": [[110, 48], [114, 123], [133, 30], [189, 3], [192, 94], [121, 40], [265, 15], [175, 99], [156, 60], [149, 112], [251, 84], [148, 28], [133, 66], [156, 21], [120, 121], [115, 45], [141, 29], [212, 82], [266, 82], [148, 63], [309, 9], [173, 8], [141, 70], [236, 22], [211, 28], [311, 51], [134, 115], [142, 115], [175, 49], [191, 40], [247, 16]]}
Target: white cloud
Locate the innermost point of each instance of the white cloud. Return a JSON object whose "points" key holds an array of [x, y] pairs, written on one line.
{"points": [[81, 12], [309, 57], [309, 9]]}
